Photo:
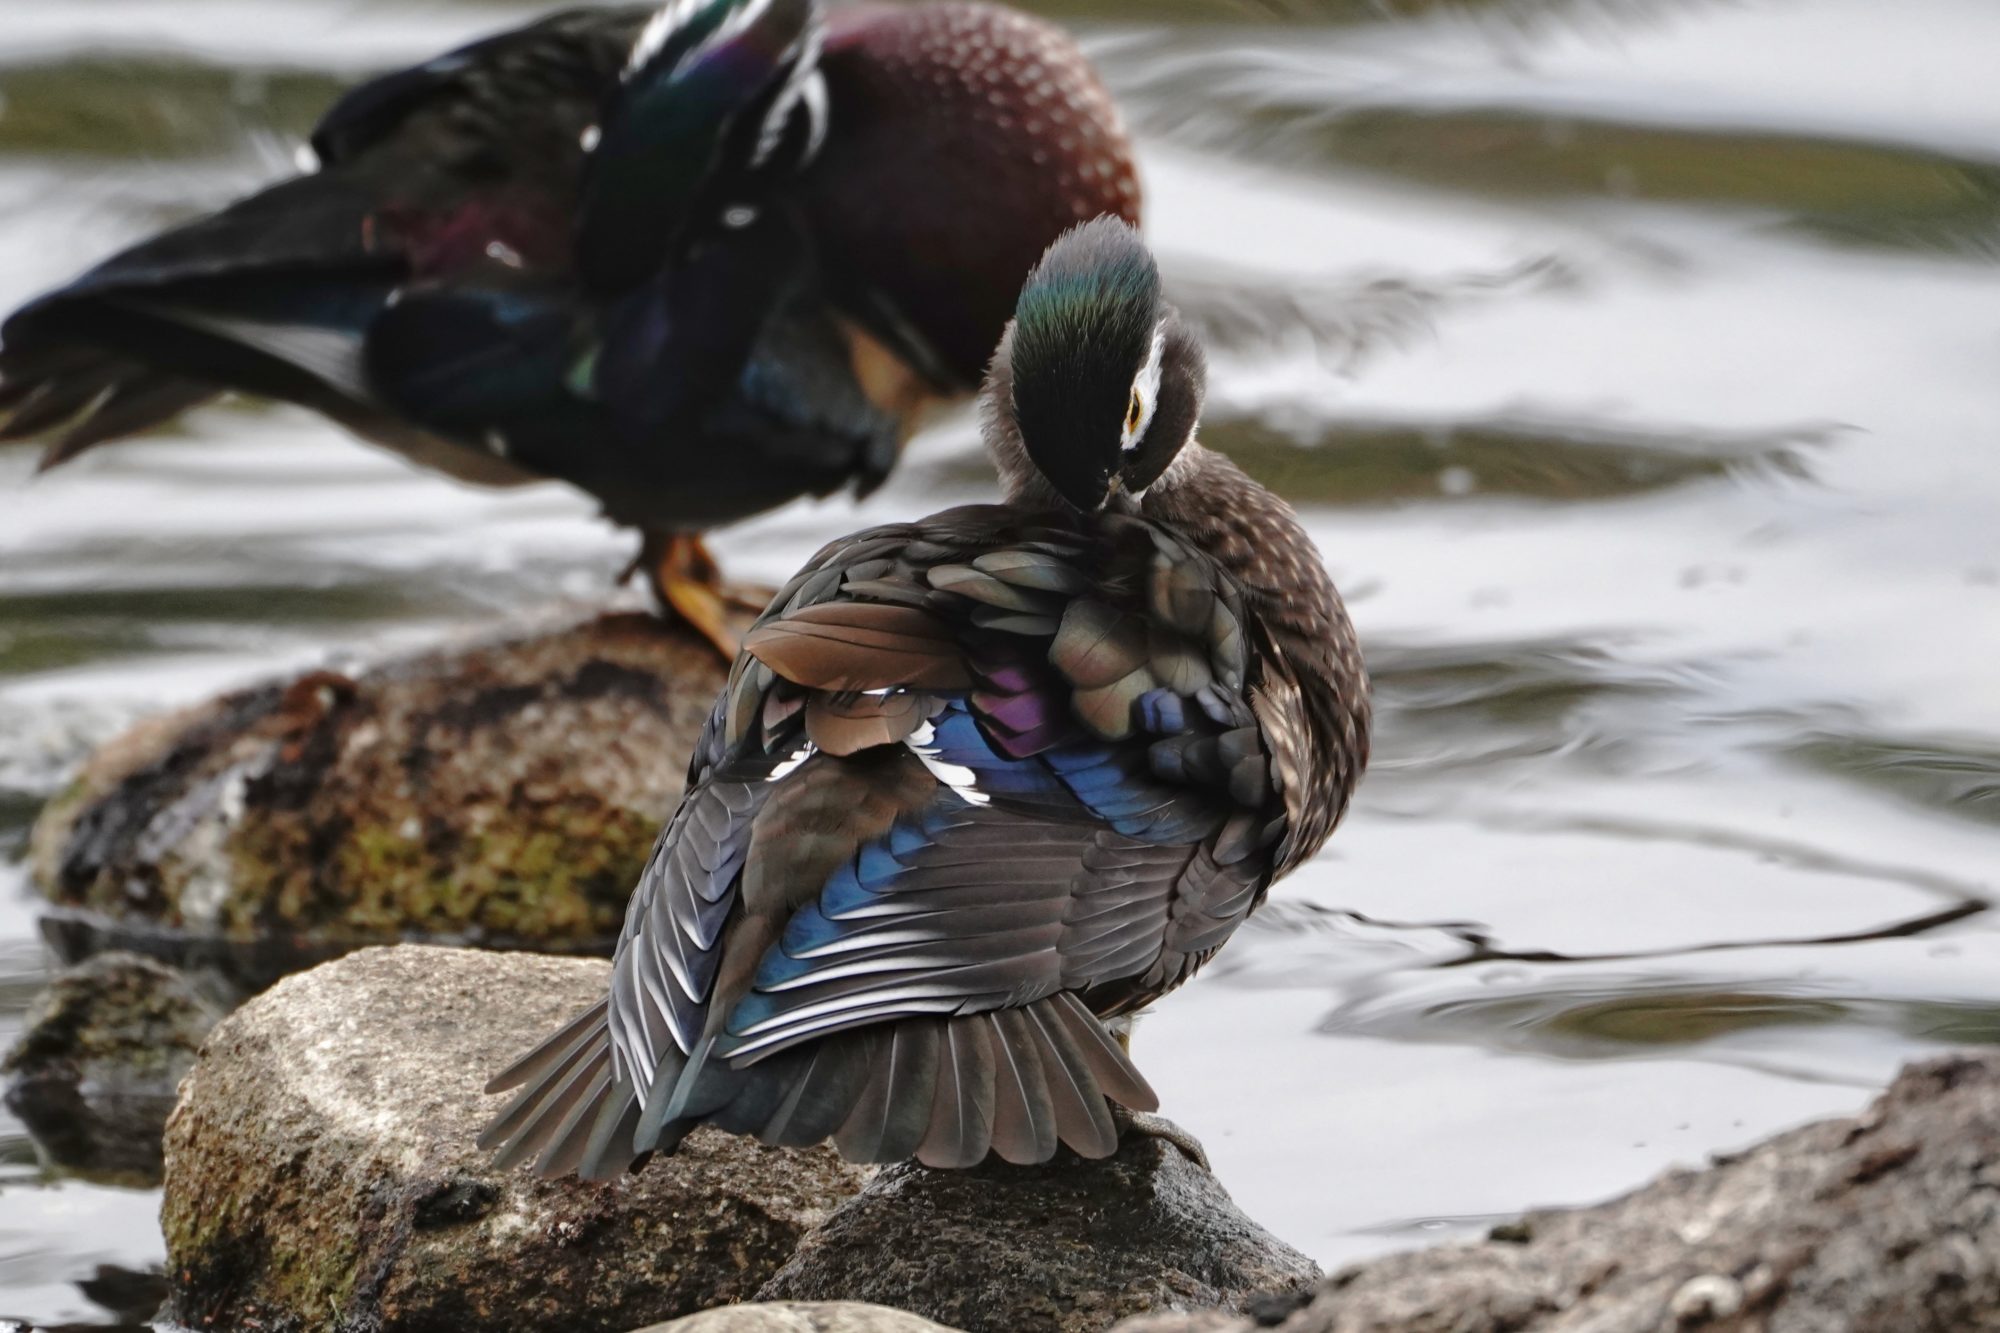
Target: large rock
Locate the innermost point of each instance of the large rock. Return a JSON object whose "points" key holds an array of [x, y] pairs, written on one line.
{"points": [[504, 794], [802, 1317], [1889, 1223], [1064, 1248], [94, 1072], [321, 1172]]}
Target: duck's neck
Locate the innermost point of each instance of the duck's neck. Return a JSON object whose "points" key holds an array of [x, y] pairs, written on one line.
{"points": [[1257, 537], [1317, 689]]}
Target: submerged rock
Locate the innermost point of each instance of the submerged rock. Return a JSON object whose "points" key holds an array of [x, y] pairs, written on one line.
{"points": [[504, 794], [802, 1317], [321, 1171], [1888, 1223], [94, 1073], [1065, 1248]]}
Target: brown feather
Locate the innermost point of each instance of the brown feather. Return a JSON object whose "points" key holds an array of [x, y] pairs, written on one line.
{"points": [[961, 1125], [1109, 1065], [1082, 1119], [844, 724], [1097, 645], [857, 646], [1024, 1122]]}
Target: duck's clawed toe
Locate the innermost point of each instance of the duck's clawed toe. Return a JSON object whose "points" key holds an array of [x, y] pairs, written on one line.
{"points": [[1159, 1127]]}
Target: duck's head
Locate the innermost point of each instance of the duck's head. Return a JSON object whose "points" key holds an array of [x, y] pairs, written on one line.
{"points": [[1097, 386]]}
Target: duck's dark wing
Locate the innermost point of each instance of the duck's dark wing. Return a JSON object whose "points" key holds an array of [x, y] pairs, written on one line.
{"points": [[518, 259], [973, 786], [689, 372], [467, 102], [432, 170]]}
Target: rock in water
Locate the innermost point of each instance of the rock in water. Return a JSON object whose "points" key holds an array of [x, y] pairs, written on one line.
{"points": [[321, 1171], [504, 794], [94, 1072], [1889, 1223], [804, 1317], [1064, 1248]]}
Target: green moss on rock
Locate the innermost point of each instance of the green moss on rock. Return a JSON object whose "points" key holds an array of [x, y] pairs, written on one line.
{"points": [[507, 793]]}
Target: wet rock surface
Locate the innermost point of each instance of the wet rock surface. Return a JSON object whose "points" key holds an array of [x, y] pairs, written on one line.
{"points": [[95, 1070], [320, 1170], [801, 1317], [1062, 1248], [503, 794], [1887, 1223]]}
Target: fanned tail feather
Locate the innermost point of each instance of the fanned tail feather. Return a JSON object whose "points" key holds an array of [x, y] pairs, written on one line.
{"points": [[947, 1091]]}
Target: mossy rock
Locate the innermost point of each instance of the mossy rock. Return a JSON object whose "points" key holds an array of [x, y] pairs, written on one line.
{"points": [[322, 1174], [505, 794], [96, 1067]]}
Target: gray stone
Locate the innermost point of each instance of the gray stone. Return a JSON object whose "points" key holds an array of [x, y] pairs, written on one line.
{"points": [[504, 794], [1062, 1248], [1888, 1223], [801, 1317], [94, 1072], [320, 1170]]}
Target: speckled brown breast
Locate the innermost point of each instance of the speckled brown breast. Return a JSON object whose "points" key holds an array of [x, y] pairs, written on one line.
{"points": [[965, 138]]}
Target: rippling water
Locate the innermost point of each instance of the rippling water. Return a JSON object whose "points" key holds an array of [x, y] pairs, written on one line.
{"points": [[1635, 364]]}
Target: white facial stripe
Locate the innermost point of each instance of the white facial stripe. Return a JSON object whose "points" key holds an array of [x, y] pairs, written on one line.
{"points": [[1146, 388]]}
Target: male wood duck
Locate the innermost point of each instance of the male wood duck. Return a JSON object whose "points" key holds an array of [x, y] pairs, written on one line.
{"points": [[694, 261], [980, 786]]}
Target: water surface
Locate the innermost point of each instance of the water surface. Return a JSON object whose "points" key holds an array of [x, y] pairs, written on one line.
{"points": [[1634, 364]]}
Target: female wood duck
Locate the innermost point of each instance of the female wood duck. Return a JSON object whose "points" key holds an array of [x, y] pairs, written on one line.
{"points": [[694, 261], [980, 785]]}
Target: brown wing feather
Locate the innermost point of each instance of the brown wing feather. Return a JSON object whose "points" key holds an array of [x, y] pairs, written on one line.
{"points": [[856, 646]]}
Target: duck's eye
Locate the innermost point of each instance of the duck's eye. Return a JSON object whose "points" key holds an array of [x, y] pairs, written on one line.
{"points": [[1133, 413]]}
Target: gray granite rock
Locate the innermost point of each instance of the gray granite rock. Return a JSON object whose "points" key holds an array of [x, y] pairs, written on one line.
{"points": [[1065, 1248], [320, 1170], [1888, 1223]]}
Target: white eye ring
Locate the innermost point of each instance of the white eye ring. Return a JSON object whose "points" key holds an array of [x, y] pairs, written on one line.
{"points": [[1145, 393]]}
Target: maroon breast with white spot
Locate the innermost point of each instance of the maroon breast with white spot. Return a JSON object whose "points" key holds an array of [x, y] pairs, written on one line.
{"points": [[963, 139]]}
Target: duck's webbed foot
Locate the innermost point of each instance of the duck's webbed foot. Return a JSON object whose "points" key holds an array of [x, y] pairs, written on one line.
{"points": [[685, 578], [1159, 1127]]}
